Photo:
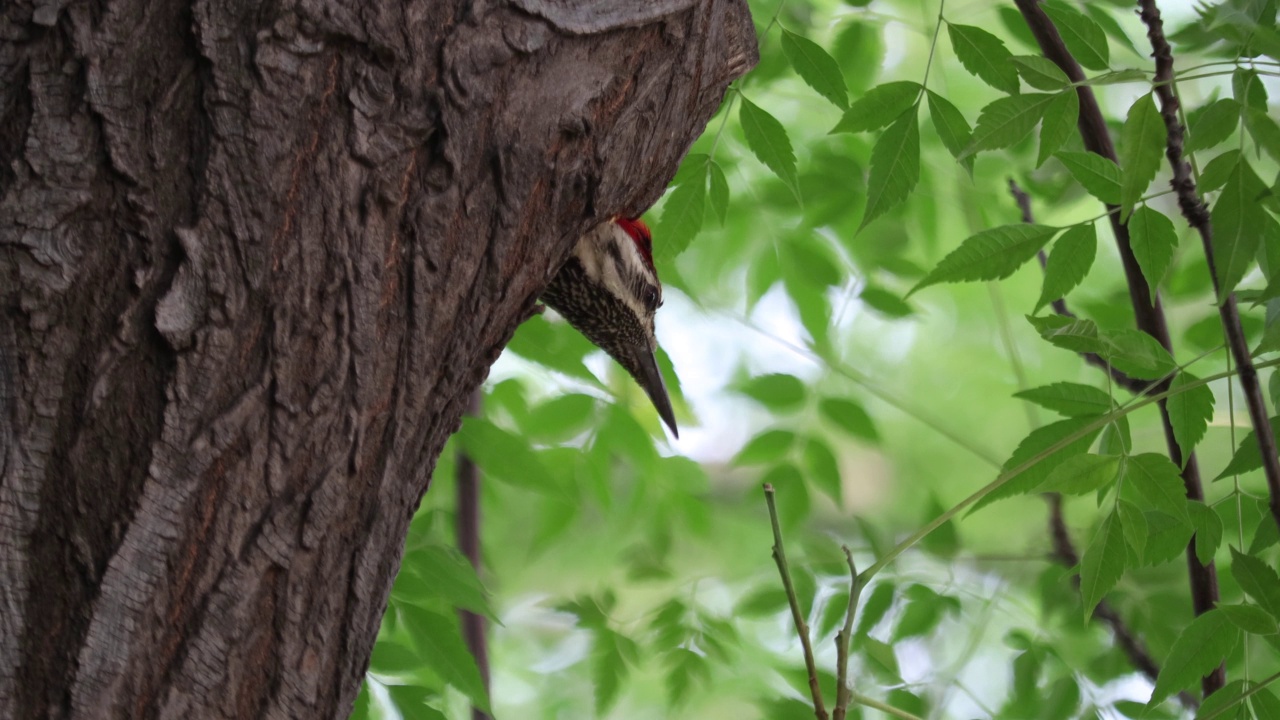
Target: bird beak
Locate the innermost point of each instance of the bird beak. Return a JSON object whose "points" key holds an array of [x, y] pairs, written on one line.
{"points": [[649, 377]]}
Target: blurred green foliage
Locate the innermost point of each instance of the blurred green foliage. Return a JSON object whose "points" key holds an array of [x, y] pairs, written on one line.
{"points": [[868, 158]]}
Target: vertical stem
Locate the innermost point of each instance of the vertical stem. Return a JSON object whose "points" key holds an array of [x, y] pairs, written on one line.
{"points": [[843, 691], [468, 528], [802, 629]]}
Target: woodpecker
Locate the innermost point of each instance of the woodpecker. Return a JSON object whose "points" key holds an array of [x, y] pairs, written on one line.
{"points": [[608, 289]]}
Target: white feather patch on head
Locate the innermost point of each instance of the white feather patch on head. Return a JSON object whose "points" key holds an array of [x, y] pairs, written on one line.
{"points": [[599, 263]]}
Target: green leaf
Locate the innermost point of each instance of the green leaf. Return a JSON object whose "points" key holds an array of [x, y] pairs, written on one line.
{"points": [[719, 191], [1247, 88], [1082, 474], [392, 658], [984, 56], [1005, 121], [682, 215], [1247, 456], [1265, 131], [885, 302], [1084, 37], [768, 446], [875, 607], [850, 417], [1208, 530], [504, 456], [1258, 580], [1153, 239], [1235, 218], [944, 540], [1111, 27], [441, 649], [1137, 354], [1059, 123], [1157, 482], [1040, 73], [1098, 175], [895, 167], [450, 576], [989, 255], [1218, 170], [1036, 461], [952, 128], [1201, 647], [608, 667], [1141, 148], [768, 141], [1103, 563], [818, 69], [824, 470], [1074, 334], [1134, 523], [1217, 704], [878, 107], [1250, 618], [1069, 261], [1190, 410], [1070, 399], [778, 392], [1212, 124], [1167, 538], [808, 261], [561, 417]]}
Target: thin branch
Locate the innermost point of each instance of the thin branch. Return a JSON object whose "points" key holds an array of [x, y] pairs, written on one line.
{"points": [[843, 694], [1132, 384], [802, 629], [468, 529], [1064, 550], [1197, 215], [1150, 317]]}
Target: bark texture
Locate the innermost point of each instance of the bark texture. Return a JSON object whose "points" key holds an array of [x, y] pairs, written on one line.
{"points": [[254, 258]]}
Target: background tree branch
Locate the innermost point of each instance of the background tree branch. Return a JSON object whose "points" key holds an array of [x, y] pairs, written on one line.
{"points": [[1147, 310], [1197, 215]]}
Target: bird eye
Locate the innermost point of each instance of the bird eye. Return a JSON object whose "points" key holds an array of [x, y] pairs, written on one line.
{"points": [[651, 300]]}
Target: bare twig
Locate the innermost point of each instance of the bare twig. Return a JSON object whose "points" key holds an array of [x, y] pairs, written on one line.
{"points": [[1203, 579], [802, 629], [1197, 215], [468, 529], [843, 694], [1132, 384]]}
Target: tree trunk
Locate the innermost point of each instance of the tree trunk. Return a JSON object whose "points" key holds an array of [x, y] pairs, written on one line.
{"points": [[254, 257]]}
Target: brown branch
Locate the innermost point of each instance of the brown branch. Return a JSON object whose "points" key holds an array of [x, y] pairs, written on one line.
{"points": [[1150, 317], [797, 616], [843, 692], [468, 529], [1132, 384], [1197, 215]]}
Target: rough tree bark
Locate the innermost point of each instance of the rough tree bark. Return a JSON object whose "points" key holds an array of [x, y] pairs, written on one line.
{"points": [[254, 257]]}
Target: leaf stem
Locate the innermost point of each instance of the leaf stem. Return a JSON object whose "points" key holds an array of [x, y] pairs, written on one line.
{"points": [[933, 45], [802, 629], [883, 707]]}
